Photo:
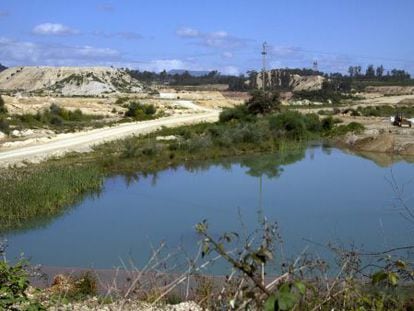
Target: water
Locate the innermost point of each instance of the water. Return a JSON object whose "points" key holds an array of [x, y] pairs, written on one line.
{"points": [[319, 194]]}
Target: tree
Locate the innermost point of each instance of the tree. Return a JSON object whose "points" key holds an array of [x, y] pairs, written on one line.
{"points": [[370, 72], [357, 71], [380, 71], [351, 71], [263, 102]]}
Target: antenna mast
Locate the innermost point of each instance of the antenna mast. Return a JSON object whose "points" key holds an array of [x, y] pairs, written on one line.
{"points": [[264, 53], [315, 66]]}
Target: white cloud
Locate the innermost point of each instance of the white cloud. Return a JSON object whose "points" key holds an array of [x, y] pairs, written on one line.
{"points": [[217, 39], [15, 53], [53, 29], [127, 35], [230, 70], [164, 64], [187, 32]]}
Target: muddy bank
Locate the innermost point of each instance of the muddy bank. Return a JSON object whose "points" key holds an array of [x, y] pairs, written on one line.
{"points": [[395, 143]]}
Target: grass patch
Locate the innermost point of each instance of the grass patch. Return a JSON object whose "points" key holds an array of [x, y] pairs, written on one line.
{"points": [[43, 190]]}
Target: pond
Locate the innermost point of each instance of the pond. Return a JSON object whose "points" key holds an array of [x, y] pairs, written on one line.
{"points": [[317, 195]]}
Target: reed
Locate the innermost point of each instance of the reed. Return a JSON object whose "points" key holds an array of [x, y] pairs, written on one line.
{"points": [[42, 191]]}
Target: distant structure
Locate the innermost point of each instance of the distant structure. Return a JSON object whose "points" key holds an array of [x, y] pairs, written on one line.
{"points": [[315, 66], [264, 53]]}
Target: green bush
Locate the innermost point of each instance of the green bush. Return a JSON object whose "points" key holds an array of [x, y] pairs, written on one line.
{"points": [[14, 282], [353, 127], [239, 113], [3, 109], [291, 123], [262, 102], [4, 126], [327, 123], [312, 122], [140, 111]]}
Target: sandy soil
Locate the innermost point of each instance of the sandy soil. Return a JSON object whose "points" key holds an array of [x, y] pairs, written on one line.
{"points": [[33, 104], [209, 99], [380, 136]]}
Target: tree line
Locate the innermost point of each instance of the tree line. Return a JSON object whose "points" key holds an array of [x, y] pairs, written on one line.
{"points": [[235, 83]]}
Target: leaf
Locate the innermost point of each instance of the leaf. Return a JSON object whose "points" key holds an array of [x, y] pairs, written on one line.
{"points": [[378, 277], [286, 300], [270, 304], [393, 278], [300, 286], [400, 264]]}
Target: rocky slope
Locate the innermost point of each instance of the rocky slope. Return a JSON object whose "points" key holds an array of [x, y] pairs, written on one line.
{"points": [[69, 81], [282, 79]]}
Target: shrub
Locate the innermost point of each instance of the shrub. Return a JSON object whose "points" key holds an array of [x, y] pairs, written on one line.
{"points": [[239, 113], [354, 127], [140, 111], [3, 109], [290, 122], [4, 126], [263, 102], [312, 122], [14, 283], [86, 285], [327, 123]]}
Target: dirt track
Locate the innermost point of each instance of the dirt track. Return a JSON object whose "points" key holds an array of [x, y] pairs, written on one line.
{"points": [[83, 141]]}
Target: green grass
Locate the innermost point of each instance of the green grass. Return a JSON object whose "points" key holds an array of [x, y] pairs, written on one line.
{"points": [[42, 191], [384, 111]]}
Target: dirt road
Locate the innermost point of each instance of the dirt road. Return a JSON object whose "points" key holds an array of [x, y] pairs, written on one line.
{"points": [[83, 141]]}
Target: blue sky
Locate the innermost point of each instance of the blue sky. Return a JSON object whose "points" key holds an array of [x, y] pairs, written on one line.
{"points": [[221, 35]]}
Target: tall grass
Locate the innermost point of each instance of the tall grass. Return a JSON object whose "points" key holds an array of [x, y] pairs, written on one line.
{"points": [[42, 191]]}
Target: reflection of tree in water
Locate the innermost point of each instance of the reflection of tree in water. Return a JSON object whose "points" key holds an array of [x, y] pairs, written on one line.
{"points": [[270, 165]]}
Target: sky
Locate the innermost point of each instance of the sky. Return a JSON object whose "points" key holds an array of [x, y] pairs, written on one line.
{"points": [[225, 35]]}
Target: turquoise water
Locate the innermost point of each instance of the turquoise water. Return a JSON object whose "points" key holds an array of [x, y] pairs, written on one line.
{"points": [[319, 194]]}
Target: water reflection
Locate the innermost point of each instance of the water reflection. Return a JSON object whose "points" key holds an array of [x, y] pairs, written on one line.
{"points": [[321, 194]]}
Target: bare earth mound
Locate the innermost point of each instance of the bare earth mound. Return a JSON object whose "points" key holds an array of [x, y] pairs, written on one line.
{"points": [[69, 81]]}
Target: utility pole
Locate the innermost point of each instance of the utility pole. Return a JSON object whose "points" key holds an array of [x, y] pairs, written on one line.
{"points": [[315, 67], [264, 53]]}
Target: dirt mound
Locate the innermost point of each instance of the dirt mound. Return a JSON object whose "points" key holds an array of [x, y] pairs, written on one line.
{"points": [[69, 81], [380, 143]]}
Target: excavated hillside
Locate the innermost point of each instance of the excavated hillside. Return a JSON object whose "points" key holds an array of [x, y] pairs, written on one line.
{"points": [[282, 79], [69, 81]]}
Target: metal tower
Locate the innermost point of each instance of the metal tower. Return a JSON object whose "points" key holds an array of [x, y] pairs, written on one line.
{"points": [[264, 53], [315, 66]]}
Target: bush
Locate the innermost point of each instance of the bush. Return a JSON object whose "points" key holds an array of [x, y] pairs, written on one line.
{"points": [[353, 127], [4, 126], [312, 122], [242, 134], [262, 102], [239, 113], [140, 111], [3, 109], [327, 123], [290, 123], [14, 283]]}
